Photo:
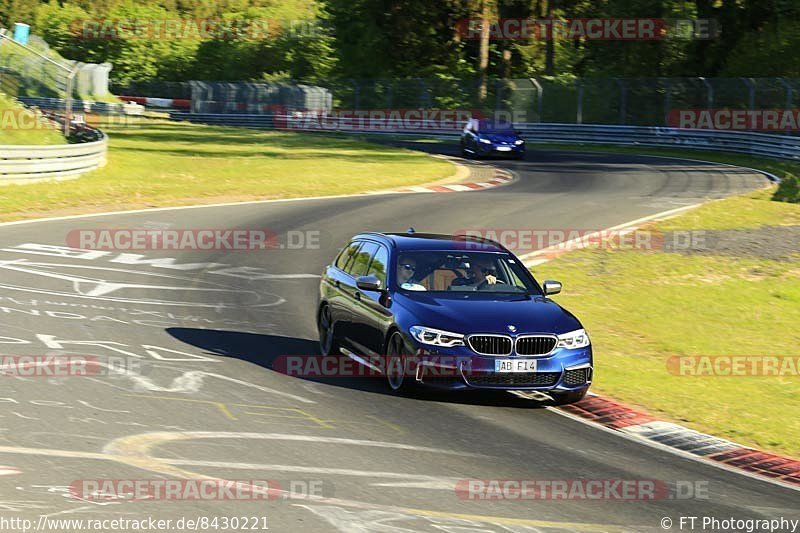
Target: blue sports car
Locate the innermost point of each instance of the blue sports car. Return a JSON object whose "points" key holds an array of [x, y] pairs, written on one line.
{"points": [[454, 312], [481, 138]]}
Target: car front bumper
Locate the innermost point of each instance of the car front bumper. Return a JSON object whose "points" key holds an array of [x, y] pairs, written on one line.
{"points": [[501, 149], [564, 370]]}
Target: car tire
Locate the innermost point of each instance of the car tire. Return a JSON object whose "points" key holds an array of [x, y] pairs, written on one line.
{"points": [[566, 398], [396, 353], [327, 337]]}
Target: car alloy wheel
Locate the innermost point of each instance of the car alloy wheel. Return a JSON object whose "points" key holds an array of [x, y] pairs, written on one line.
{"points": [[396, 362], [325, 326]]}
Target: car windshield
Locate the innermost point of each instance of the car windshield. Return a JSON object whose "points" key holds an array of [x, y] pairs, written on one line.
{"points": [[495, 128], [458, 271]]}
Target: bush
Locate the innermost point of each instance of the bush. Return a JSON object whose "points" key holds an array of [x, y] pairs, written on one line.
{"points": [[788, 190]]}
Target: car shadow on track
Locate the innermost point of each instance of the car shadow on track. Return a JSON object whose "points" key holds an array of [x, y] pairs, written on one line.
{"points": [[271, 352]]}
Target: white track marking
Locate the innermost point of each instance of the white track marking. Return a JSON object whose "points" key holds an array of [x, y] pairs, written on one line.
{"points": [[532, 259]]}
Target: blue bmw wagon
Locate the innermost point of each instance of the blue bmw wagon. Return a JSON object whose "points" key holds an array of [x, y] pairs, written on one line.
{"points": [[453, 312]]}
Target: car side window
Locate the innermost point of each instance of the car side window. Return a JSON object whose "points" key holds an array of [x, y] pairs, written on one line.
{"points": [[360, 264], [346, 257], [379, 264]]}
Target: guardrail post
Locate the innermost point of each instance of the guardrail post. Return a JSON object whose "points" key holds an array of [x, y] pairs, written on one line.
{"points": [[539, 95], [623, 101], [579, 115]]}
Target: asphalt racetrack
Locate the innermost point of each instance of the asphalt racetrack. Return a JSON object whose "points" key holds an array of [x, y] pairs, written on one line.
{"points": [[203, 400]]}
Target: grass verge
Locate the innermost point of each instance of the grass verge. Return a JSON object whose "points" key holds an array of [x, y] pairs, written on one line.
{"points": [[19, 126], [160, 163], [644, 307]]}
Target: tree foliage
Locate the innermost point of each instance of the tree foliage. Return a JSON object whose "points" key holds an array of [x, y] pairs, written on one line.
{"points": [[419, 38]]}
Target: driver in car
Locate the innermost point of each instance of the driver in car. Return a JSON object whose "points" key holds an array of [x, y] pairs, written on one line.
{"points": [[481, 273]]}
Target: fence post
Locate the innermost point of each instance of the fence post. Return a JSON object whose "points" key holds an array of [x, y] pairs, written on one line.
{"points": [[710, 94], [498, 97], [751, 90], [390, 94], [68, 98], [539, 95], [356, 94], [789, 92], [623, 101], [579, 115], [424, 94]]}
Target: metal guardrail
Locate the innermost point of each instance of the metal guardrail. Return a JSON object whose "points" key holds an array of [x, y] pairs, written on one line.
{"points": [[226, 119], [85, 106], [22, 163], [760, 144], [744, 142]]}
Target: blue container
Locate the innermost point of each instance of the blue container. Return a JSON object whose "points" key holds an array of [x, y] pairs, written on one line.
{"points": [[21, 32]]}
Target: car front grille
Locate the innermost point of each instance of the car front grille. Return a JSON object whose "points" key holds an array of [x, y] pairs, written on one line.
{"points": [[580, 376], [538, 345], [526, 379], [490, 344]]}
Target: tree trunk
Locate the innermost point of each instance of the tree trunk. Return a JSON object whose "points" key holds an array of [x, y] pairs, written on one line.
{"points": [[483, 56], [550, 45]]}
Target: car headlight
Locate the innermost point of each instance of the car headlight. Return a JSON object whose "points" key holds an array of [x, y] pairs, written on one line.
{"points": [[519, 142], [574, 339], [485, 141], [437, 337]]}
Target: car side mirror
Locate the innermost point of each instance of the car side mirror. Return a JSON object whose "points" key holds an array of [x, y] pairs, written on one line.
{"points": [[551, 287], [368, 283]]}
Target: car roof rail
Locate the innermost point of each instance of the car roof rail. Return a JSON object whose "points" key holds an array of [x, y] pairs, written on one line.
{"points": [[444, 236], [478, 238], [384, 236]]}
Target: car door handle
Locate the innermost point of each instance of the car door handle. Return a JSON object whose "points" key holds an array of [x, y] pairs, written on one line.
{"points": [[357, 296], [337, 283]]}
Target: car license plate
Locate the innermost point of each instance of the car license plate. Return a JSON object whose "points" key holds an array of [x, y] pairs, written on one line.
{"points": [[515, 365], [503, 148]]}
